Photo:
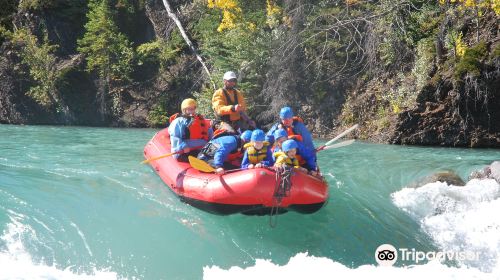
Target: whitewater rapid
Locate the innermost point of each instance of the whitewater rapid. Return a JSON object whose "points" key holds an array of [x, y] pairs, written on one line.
{"points": [[458, 218]]}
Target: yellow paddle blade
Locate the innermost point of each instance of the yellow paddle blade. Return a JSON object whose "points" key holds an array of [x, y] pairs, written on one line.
{"points": [[158, 157], [200, 165]]}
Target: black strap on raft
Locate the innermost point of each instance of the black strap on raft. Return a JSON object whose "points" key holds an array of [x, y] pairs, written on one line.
{"points": [[282, 189]]}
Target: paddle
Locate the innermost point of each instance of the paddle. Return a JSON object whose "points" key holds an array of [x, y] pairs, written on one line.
{"points": [[159, 157], [203, 166], [167, 155], [338, 145], [200, 165], [337, 138], [247, 119]]}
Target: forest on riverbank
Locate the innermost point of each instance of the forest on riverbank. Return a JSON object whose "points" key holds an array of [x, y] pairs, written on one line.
{"points": [[408, 71]]}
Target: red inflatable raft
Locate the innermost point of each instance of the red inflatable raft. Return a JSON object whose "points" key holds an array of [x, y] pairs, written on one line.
{"points": [[249, 191]]}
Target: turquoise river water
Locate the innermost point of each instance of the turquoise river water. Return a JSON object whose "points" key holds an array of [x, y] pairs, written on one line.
{"points": [[76, 203]]}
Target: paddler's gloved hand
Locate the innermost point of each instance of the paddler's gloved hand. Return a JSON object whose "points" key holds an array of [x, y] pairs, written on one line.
{"points": [[219, 170]]}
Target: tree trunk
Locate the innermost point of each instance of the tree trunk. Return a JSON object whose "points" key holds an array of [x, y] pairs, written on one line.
{"points": [[172, 15]]}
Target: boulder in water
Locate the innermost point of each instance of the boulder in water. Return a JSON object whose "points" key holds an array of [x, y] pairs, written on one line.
{"points": [[449, 177], [491, 171]]}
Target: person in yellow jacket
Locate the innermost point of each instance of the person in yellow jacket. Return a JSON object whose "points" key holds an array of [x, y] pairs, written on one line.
{"points": [[229, 104], [287, 156]]}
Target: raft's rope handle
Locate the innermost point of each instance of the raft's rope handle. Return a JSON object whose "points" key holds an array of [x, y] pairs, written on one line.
{"points": [[282, 189]]}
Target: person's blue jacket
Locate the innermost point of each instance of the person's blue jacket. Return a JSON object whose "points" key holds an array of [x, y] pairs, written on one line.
{"points": [[298, 128], [268, 161], [177, 131], [226, 145], [307, 154]]}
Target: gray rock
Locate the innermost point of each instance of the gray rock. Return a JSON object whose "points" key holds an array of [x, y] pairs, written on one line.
{"points": [[495, 171], [491, 171], [449, 177]]}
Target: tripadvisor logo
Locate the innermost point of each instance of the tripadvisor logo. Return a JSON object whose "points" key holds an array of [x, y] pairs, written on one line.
{"points": [[386, 255]]}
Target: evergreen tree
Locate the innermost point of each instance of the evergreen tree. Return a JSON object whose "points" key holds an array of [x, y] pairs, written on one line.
{"points": [[107, 50]]}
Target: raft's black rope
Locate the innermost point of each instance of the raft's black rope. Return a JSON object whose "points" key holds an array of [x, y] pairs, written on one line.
{"points": [[282, 189]]}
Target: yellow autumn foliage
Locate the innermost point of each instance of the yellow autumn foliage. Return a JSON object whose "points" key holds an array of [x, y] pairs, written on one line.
{"points": [[273, 12], [460, 47], [231, 13], [271, 8], [481, 4]]}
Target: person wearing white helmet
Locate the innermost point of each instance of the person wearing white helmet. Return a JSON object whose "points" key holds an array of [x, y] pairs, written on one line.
{"points": [[229, 103]]}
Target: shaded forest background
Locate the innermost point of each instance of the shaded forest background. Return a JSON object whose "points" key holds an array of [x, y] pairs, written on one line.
{"points": [[408, 71]]}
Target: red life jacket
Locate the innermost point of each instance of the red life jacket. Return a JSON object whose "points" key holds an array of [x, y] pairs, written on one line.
{"points": [[197, 126], [291, 133]]}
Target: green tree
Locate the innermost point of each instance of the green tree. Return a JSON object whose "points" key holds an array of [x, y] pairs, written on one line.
{"points": [[107, 50], [242, 46], [41, 62]]}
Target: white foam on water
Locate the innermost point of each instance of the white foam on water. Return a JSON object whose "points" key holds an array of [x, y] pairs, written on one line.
{"points": [[17, 263], [302, 266], [457, 218]]}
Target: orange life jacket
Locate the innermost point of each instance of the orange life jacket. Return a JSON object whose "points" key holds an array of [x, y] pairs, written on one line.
{"points": [[223, 132], [291, 133], [197, 126], [301, 160]]}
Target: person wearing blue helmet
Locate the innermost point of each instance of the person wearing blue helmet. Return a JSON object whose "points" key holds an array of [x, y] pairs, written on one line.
{"points": [[257, 152], [305, 156], [223, 149], [294, 126], [287, 156], [279, 137]]}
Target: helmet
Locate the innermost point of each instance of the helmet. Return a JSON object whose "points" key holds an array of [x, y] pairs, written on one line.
{"points": [[229, 75], [288, 145], [258, 135], [286, 113], [280, 133], [246, 135], [190, 102]]}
